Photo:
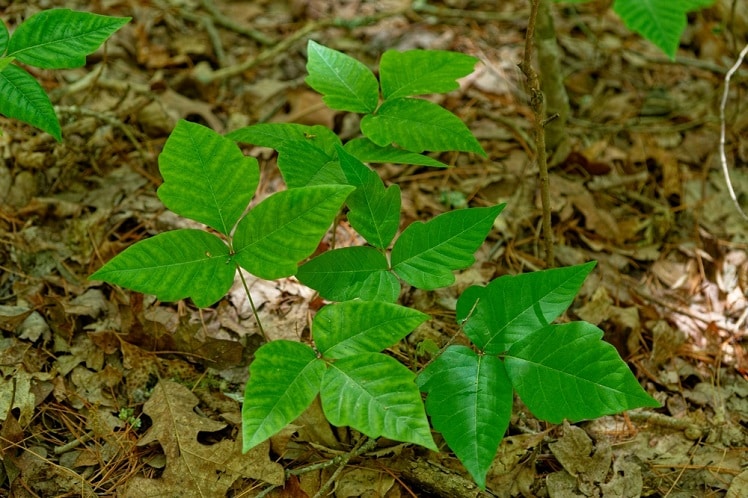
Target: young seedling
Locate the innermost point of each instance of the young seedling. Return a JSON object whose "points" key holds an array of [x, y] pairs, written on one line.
{"points": [[559, 371]]}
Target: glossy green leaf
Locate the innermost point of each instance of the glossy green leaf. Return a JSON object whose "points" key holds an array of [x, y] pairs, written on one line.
{"points": [[375, 394], [284, 379], [374, 211], [24, 99], [470, 403], [512, 307], [418, 125], [303, 164], [345, 83], [350, 273], [567, 372], [660, 21], [286, 228], [174, 265], [380, 286], [4, 37], [418, 72], [274, 135], [61, 38], [206, 176], [426, 254], [352, 327], [367, 151]]}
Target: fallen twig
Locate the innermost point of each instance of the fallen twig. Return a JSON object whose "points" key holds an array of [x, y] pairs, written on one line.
{"points": [[723, 131]]}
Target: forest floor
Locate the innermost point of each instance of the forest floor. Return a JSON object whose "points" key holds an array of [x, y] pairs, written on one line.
{"points": [[638, 188]]}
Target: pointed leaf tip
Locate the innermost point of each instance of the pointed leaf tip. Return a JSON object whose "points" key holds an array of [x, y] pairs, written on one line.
{"points": [[375, 394], [61, 38], [345, 83], [426, 254], [285, 378], [207, 178], [174, 265], [294, 220], [567, 372]]}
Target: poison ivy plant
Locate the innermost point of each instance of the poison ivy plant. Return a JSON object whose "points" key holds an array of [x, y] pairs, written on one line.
{"points": [[198, 185], [51, 39], [358, 386], [660, 21], [397, 126], [560, 371]]}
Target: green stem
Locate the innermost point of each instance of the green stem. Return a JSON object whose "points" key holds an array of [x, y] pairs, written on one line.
{"points": [[252, 304]]}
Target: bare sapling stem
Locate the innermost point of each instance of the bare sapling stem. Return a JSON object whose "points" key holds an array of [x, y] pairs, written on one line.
{"points": [[537, 103]]}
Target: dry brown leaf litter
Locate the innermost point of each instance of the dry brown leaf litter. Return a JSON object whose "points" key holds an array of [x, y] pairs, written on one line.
{"points": [[641, 193]]}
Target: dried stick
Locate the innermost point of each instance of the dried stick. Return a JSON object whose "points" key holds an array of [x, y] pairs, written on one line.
{"points": [[723, 131], [538, 108]]}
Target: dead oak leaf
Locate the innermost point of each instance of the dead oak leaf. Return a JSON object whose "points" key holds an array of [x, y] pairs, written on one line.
{"points": [[194, 469]]}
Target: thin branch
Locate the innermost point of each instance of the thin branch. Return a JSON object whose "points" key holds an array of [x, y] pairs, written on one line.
{"points": [[222, 20], [364, 445], [723, 132], [538, 108]]}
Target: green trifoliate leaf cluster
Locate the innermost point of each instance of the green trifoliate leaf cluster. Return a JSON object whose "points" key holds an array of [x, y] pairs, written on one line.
{"points": [[559, 371], [51, 39], [200, 185], [358, 386]]}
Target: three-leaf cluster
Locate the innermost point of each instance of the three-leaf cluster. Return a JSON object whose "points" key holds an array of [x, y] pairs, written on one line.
{"points": [[208, 179], [51, 39], [559, 371]]}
